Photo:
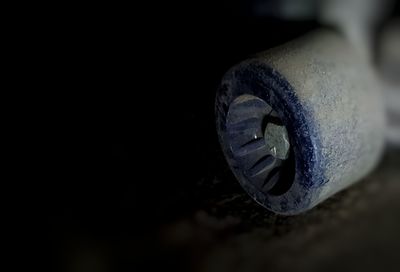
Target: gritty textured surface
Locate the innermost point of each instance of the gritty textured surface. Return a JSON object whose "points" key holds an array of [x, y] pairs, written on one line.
{"points": [[303, 179], [344, 98], [330, 102]]}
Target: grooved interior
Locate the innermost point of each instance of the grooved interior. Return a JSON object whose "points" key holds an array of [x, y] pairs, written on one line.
{"points": [[259, 143]]}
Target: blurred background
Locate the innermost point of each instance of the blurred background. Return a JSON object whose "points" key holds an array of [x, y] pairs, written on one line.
{"points": [[176, 205]]}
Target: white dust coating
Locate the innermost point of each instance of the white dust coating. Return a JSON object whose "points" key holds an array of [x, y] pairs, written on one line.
{"points": [[342, 94]]}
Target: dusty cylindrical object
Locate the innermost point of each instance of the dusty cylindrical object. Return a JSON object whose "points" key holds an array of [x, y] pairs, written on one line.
{"points": [[300, 122]]}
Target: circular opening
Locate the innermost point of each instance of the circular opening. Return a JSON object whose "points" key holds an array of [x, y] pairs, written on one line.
{"points": [[260, 144]]}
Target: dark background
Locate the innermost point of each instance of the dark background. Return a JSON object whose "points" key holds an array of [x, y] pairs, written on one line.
{"points": [[162, 196]]}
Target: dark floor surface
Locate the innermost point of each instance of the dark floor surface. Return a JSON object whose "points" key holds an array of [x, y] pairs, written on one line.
{"points": [[224, 230], [356, 230]]}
